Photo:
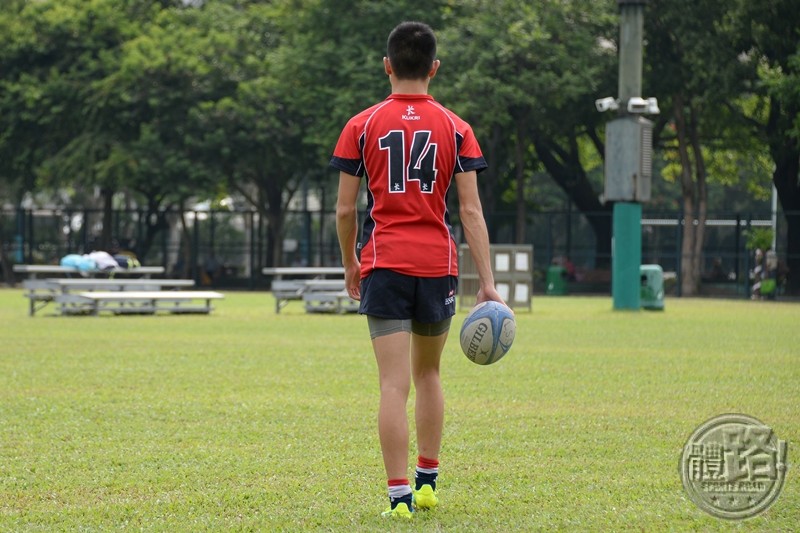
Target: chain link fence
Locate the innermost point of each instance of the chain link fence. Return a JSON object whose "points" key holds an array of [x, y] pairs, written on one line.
{"points": [[228, 249]]}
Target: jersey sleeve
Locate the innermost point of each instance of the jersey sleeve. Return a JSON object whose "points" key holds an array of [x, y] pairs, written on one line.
{"points": [[348, 154], [470, 156]]}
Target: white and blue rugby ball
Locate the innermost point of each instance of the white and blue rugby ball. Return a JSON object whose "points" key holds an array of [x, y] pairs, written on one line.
{"points": [[488, 332]]}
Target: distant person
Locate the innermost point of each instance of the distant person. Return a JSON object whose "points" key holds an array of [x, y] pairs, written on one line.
{"points": [[759, 275], [409, 148], [212, 270], [717, 272], [569, 266], [769, 274]]}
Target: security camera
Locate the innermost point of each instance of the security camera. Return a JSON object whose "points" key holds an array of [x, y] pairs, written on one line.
{"points": [[606, 104], [637, 104], [640, 105]]}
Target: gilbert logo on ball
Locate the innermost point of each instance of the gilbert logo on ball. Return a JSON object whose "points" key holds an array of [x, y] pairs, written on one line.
{"points": [[488, 332]]}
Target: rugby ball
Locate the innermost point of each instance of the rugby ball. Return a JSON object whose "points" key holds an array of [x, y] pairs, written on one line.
{"points": [[488, 332]]}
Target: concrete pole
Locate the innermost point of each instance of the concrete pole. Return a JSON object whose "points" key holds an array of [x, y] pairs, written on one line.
{"points": [[631, 31], [626, 246]]}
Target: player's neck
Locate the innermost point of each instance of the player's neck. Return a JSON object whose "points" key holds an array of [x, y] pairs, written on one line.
{"points": [[409, 86]]}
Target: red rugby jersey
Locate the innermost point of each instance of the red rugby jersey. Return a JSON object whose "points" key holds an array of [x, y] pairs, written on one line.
{"points": [[409, 147]]}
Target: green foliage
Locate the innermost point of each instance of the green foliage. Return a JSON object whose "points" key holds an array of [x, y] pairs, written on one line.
{"points": [[172, 99], [52, 52], [728, 168], [527, 84], [758, 238], [249, 421]]}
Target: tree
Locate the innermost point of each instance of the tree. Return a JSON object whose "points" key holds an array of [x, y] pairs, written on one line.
{"points": [[307, 70], [176, 99], [51, 54], [181, 60], [766, 35], [694, 70], [528, 84]]}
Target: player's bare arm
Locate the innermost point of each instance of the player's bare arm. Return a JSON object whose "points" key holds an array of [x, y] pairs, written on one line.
{"points": [[474, 225], [347, 230]]}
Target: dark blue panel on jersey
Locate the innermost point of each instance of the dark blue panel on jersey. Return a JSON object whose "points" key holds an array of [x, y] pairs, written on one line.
{"points": [[472, 163], [350, 166]]}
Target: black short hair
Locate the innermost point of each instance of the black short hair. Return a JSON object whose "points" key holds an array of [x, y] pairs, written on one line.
{"points": [[411, 49]]}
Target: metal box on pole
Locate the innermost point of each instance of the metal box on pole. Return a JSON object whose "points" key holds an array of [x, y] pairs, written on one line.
{"points": [[629, 156]]}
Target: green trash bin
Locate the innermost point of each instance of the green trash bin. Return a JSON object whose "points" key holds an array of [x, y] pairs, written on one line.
{"points": [[651, 295], [556, 280]]}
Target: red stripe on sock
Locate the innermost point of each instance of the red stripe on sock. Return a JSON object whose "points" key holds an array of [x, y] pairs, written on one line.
{"points": [[424, 462], [397, 482]]}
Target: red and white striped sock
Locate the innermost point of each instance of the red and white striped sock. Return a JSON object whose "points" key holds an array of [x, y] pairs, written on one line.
{"points": [[426, 473], [399, 492]]}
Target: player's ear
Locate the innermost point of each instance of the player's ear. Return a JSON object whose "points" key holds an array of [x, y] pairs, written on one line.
{"points": [[434, 68], [387, 67]]}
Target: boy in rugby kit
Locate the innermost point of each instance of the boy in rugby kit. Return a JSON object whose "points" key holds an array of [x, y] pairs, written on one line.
{"points": [[409, 149]]}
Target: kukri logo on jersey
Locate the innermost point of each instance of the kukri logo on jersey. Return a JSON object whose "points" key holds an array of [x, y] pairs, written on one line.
{"points": [[410, 114]]}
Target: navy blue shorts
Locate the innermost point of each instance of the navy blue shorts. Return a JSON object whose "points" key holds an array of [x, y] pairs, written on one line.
{"points": [[387, 294]]}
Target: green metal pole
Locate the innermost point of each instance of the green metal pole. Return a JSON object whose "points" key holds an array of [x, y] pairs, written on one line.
{"points": [[626, 255]]}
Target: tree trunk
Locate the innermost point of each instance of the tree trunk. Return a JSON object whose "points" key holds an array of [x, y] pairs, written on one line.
{"points": [[8, 272], [490, 179], [275, 213], [155, 222], [690, 282], [690, 278], [185, 251], [785, 151], [521, 219], [274, 239], [567, 172], [702, 199], [793, 252], [108, 218]]}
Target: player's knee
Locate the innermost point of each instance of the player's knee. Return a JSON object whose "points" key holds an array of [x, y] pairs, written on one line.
{"points": [[427, 377]]}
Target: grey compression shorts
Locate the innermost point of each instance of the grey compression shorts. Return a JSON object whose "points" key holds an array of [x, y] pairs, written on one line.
{"points": [[378, 327]]}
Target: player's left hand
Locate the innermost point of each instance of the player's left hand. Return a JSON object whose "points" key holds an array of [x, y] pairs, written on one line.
{"points": [[490, 293]]}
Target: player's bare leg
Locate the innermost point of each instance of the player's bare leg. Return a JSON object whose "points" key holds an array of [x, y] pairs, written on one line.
{"points": [[429, 409], [391, 354], [426, 354]]}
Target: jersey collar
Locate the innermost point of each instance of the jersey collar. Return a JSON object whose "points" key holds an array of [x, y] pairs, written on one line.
{"points": [[400, 96]]}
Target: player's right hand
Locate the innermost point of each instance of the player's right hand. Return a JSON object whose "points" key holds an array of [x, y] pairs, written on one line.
{"points": [[352, 280]]}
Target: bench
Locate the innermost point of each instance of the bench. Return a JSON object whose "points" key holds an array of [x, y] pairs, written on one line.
{"points": [[286, 290], [328, 296], [138, 302], [591, 282], [34, 271], [40, 292]]}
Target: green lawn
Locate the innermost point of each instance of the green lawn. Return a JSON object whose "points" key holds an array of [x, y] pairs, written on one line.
{"points": [[248, 420]]}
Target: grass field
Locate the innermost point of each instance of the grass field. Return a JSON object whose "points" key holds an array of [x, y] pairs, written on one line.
{"points": [[247, 420]]}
